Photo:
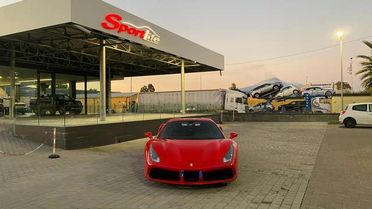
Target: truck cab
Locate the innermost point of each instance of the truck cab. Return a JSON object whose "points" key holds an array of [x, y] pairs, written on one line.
{"points": [[236, 101]]}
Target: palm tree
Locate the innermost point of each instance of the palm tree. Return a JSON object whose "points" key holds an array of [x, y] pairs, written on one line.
{"points": [[366, 71]]}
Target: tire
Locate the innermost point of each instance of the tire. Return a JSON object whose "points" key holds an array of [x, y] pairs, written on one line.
{"points": [[256, 95], [221, 185], [76, 112], [276, 88], [349, 123], [328, 94], [52, 112], [296, 92], [62, 111], [36, 112]]}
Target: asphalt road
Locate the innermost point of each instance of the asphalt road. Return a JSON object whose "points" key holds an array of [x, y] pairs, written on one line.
{"points": [[342, 177]]}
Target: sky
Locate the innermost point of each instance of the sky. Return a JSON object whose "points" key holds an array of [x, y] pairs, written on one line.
{"points": [[251, 32]]}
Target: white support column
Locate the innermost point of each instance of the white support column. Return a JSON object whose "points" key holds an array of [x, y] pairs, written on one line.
{"points": [[183, 101], [108, 90], [342, 72], [12, 85], [102, 77]]}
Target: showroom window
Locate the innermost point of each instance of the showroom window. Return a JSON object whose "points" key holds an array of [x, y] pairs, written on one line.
{"points": [[362, 108], [370, 107]]}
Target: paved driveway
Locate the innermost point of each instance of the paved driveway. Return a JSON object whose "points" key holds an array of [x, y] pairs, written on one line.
{"points": [[342, 177], [276, 160]]}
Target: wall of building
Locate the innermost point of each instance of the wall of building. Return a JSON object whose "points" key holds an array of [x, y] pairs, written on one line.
{"points": [[336, 101]]}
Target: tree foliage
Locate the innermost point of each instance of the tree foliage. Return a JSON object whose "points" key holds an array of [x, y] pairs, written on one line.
{"points": [[233, 86], [148, 88], [366, 71]]}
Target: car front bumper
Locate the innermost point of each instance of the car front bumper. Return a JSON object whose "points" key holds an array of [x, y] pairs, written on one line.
{"points": [[222, 174]]}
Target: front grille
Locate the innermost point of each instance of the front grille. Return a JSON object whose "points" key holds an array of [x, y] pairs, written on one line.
{"points": [[162, 174], [218, 175], [191, 176]]}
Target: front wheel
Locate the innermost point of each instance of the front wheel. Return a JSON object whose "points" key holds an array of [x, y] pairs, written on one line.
{"points": [[328, 94], [296, 92], [349, 123], [62, 111], [256, 95], [76, 112], [276, 88]]}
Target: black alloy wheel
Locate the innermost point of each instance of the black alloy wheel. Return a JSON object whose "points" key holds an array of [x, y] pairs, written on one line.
{"points": [[349, 123]]}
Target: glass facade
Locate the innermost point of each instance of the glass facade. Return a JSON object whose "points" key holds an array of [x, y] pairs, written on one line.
{"points": [[33, 87]]}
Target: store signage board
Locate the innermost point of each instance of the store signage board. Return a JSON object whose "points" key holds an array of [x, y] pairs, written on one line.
{"points": [[115, 22]]}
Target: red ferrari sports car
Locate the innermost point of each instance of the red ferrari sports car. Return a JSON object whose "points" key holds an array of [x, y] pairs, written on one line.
{"points": [[191, 151]]}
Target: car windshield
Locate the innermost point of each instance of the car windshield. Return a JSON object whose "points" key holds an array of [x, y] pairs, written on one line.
{"points": [[193, 130]]}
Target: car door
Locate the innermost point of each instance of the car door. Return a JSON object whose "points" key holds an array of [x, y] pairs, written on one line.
{"points": [[318, 91], [266, 88], [286, 91], [360, 112], [311, 91], [369, 114]]}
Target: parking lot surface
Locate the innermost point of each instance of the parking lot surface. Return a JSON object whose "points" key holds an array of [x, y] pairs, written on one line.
{"points": [[275, 164], [342, 176]]}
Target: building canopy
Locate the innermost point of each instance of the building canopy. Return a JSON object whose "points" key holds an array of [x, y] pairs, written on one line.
{"points": [[66, 35]]}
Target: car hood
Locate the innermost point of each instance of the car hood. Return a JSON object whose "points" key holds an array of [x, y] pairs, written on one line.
{"points": [[191, 154]]}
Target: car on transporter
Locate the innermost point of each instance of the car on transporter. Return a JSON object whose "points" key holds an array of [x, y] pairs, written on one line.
{"points": [[288, 91], [356, 114], [191, 152], [266, 89], [317, 91]]}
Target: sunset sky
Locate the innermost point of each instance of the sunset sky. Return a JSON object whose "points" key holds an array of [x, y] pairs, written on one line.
{"points": [[251, 32]]}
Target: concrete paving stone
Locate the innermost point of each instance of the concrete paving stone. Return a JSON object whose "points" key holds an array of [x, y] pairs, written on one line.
{"points": [[275, 159]]}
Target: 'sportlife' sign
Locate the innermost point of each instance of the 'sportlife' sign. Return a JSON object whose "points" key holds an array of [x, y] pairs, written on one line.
{"points": [[115, 22]]}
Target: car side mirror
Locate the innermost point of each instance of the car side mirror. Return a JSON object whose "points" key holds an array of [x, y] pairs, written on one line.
{"points": [[233, 135], [148, 135]]}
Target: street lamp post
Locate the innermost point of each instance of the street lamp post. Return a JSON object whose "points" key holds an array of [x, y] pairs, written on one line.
{"points": [[340, 36]]}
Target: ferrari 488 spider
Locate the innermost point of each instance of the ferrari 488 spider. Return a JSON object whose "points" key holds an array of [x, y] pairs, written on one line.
{"points": [[191, 152]]}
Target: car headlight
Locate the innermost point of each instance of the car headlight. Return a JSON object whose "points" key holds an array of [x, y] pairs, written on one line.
{"points": [[229, 155], [153, 155]]}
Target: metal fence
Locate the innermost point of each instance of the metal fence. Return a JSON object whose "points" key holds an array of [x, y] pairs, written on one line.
{"points": [[117, 114]]}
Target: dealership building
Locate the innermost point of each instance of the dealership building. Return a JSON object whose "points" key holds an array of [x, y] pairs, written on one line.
{"points": [[69, 44]]}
